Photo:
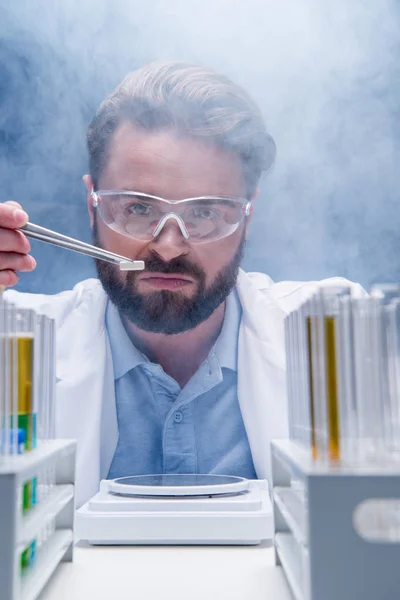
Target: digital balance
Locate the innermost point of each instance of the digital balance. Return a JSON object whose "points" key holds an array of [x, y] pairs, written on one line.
{"points": [[177, 509]]}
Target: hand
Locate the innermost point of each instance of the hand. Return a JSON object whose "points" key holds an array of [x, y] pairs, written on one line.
{"points": [[14, 246]]}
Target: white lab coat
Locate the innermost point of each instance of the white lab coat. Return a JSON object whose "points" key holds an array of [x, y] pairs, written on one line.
{"points": [[85, 402]]}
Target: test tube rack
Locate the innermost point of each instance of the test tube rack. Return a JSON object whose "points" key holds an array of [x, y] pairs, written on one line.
{"points": [[17, 528], [316, 541]]}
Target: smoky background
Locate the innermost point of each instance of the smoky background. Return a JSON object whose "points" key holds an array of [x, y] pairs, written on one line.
{"points": [[325, 74]]}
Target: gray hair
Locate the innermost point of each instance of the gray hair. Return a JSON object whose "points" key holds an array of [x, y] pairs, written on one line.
{"points": [[195, 102]]}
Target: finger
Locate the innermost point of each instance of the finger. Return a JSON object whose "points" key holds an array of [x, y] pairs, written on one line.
{"points": [[8, 278], [12, 217], [14, 241], [13, 203], [16, 262]]}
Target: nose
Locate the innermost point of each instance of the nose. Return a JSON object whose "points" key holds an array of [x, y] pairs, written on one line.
{"points": [[170, 243]]}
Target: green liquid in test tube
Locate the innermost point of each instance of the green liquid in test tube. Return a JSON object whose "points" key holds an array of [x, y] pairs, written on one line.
{"points": [[27, 496]]}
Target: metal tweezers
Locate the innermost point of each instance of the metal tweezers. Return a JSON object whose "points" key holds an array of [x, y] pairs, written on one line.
{"points": [[57, 239]]}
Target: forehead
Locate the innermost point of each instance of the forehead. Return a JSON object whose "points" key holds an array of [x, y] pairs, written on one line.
{"points": [[163, 163]]}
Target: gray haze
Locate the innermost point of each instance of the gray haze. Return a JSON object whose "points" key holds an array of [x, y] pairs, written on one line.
{"points": [[325, 73]]}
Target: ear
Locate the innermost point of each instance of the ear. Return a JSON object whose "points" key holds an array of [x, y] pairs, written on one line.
{"points": [[248, 219], [255, 195], [87, 179]]}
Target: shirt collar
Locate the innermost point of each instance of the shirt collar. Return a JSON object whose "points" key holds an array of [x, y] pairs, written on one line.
{"points": [[126, 356], [226, 345], [124, 353]]}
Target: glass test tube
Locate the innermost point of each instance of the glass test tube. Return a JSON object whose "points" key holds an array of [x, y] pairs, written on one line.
{"points": [[5, 381], [304, 382], [378, 375], [346, 381], [52, 377], [289, 378], [395, 372], [330, 330], [389, 297], [44, 368], [23, 372], [22, 348], [38, 399], [324, 331], [318, 363], [2, 382], [14, 378], [2, 378], [367, 319], [362, 389], [48, 390], [311, 377], [38, 384], [294, 375]]}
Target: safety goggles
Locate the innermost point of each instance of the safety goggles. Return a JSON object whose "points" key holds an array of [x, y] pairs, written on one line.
{"points": [[142, 216]]}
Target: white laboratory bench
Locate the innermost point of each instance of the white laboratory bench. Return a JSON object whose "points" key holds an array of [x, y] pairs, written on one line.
{"points": [[169, 573]]}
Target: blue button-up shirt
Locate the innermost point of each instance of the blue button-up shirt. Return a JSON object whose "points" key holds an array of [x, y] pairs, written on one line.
{"points": [[164, 428]]}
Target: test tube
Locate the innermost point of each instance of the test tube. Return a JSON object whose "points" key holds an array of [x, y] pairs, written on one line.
{"points": [[5, 381], [346, 381], [23, 372], [38, 378], [394, 353], [304, 382], [48, 390], [362, 390], [311, 376], [289, 377], [52, 376], [14, 378], [2, 359], [21, 347], [324, 332], [39, 400], [318, 367], [330, 300], [389, 297], [2, 377], [293, 377], [42, 370], [367, 361]]}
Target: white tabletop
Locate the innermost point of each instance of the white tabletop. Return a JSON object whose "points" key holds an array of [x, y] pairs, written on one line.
{"points": [[169, 573]]}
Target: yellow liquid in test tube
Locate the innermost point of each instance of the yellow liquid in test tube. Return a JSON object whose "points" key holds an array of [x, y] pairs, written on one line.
{"points": [[332, 395], [24, 382], [25, 374]]}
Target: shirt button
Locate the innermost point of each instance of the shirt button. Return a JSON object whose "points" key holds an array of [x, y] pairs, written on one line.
{"points": [[178, 416]]}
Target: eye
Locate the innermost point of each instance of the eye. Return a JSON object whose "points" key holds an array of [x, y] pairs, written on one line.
{"points": [[206, 213], [139, 209]]}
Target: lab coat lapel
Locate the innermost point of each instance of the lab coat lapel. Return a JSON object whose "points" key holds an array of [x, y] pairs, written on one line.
{"points": [[261, 370], [85, 390]]}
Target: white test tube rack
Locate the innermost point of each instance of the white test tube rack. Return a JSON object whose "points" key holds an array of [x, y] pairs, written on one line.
{"points": [[16, 528], [316, 543]]}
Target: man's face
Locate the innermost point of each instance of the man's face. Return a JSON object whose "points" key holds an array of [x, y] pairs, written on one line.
{"points": [[182, 283]]}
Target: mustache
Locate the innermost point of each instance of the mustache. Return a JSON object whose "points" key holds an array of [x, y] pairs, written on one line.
{"points": [[177, 266], [153, 264]]}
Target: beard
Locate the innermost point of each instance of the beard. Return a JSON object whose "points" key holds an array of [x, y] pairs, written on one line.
{"points": [[165, 311]]}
